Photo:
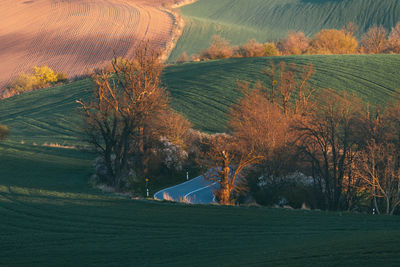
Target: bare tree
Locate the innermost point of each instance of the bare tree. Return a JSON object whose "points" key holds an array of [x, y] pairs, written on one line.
{"points": [[290, 87], [117, 116], [374, 41], [379, 168], [378, 164], [327, 136]]}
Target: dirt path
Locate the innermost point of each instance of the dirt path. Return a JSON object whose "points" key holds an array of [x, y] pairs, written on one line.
{"points": [[76, 36]]}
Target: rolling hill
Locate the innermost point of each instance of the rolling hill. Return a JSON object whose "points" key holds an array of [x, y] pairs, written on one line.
{"points": [[204, 91], [50, 215], [266, 20], [76, 36]]}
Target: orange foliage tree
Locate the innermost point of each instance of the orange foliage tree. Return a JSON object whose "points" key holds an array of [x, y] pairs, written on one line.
{"points": [[295, 43], [251, 49], [219, 48], [334, 42]]}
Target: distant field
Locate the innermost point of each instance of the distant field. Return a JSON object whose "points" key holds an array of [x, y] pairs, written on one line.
{"points": [[204, 91], [75, 36], [51, 216], [266, 20]]}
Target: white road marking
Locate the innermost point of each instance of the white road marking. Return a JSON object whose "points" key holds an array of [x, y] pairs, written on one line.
{"points": [[194, 191], [165, 189]]}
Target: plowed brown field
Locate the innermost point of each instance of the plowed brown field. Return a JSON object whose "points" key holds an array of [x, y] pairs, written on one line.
{"points": [[75, 36]]}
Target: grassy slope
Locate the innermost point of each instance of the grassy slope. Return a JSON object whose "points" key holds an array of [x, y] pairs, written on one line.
{"points": [[204, 97], [50, 215], [265, 20]]}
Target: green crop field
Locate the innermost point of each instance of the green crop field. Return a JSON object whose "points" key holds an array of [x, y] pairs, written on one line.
{"points": [[266, 20], [204, 91], [51, 216]]}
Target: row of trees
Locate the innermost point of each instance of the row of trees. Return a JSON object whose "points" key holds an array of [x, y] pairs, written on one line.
{"points": [[376, 40], [351, 153], [347, 155]]}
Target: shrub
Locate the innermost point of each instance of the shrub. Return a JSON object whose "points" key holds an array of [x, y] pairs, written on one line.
{"points": [[219, 49], [44, 75], [41, 77], [394, 39], [183, 58], [295, 44], [24, 82], [334, 42], [62, 77], [251, 49], [374, 41], [4, 132], [270, 50]]}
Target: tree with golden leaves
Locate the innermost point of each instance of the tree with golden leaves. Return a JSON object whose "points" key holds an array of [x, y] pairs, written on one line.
{"points": [[334, 41]]}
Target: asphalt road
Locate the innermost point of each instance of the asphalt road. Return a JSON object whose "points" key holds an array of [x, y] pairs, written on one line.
{"points": [[197, 190]]}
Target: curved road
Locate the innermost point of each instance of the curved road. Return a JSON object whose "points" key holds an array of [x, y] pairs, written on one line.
{"points": [[197, 190]]}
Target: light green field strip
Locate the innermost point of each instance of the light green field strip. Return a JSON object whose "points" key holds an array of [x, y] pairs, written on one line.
{"points": [[266, 20]]}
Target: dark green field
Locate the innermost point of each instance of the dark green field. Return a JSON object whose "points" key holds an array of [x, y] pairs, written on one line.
{"points": [[267, 20], [51, 216]]}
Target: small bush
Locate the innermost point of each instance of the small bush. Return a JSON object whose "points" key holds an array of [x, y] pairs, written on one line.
{"points": [[251, 49], [24, 82], [183, 58], [219, 49], [62, 77], [4, 132], [394, 39], [296, 43], [44, 75], [41, 77], [270, 50]]}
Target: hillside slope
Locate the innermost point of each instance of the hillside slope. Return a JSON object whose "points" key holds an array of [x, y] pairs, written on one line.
{"points": [[265, 20], [76, 36], [51, 216], [204, 91]]}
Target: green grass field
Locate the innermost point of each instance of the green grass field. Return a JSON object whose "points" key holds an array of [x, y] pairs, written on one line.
{"points": [[266, 20], [51, 216]]}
